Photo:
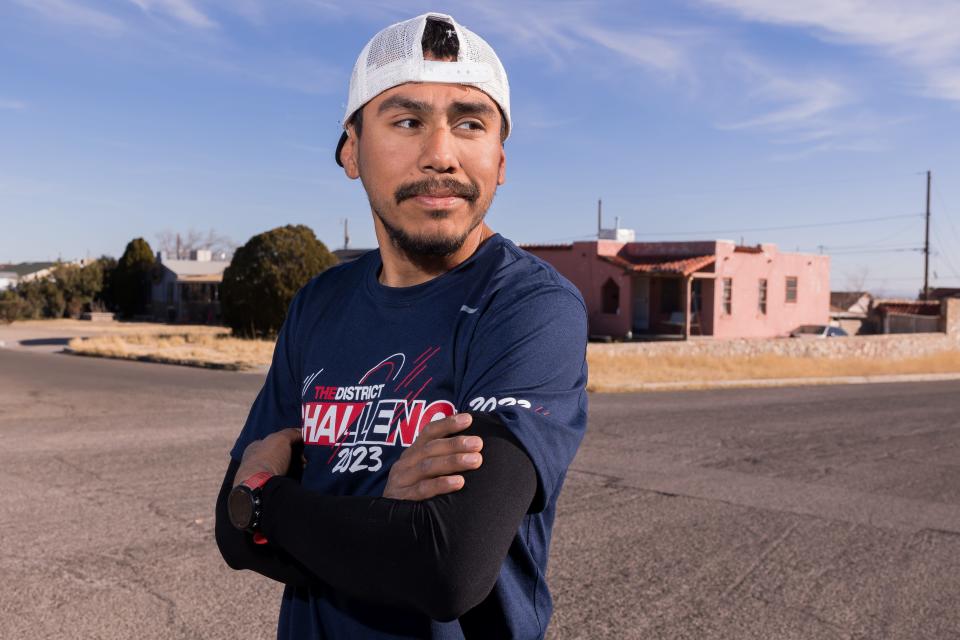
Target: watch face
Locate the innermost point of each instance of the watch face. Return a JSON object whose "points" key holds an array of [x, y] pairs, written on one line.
{"points": [[240, 507]]}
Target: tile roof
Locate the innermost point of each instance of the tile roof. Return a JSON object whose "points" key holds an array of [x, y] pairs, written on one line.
{"points": [[911, 307], [662, 264], [526, 247]]}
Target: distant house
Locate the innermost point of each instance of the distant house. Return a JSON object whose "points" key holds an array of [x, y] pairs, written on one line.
{"points": [[939, 293], [711, 288], [187, 291], [906, 316], [24, 272], [849, 310], [8, 279]]}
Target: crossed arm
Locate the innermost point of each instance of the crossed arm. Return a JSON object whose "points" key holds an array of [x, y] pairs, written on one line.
{"points": [[440, 556]]}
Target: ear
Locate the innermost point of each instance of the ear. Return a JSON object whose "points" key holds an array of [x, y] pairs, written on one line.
{"points": [[502, 171], [349, 153]]}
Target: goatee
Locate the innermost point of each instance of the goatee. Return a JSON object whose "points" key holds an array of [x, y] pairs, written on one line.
{"points": [[423, 247]]}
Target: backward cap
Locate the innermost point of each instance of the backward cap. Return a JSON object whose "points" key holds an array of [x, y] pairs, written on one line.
{"points": [[395, 56]]}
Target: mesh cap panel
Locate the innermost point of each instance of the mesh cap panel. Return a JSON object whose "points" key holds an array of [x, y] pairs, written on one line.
{"points": [[395, 56]]}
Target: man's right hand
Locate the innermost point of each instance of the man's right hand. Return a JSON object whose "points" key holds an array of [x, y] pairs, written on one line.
{"points": [[431, 465]]}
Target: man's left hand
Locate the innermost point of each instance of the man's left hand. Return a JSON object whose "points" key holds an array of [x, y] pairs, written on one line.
{"points": [[272, 454]]}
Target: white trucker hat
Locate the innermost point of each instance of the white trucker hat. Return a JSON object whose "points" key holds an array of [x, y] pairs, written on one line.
{"points": [[395, 56]]}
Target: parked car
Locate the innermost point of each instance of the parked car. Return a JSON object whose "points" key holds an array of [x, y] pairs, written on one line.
{"points": [[817, 331]]}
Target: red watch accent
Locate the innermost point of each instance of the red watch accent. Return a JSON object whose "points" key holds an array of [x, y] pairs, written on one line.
{"points": [[257, 480]]}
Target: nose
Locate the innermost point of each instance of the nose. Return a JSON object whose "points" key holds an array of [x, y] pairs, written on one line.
{"points": [[439, 153]]}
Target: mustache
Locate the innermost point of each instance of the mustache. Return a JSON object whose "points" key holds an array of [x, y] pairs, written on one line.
{"points": [[447, 186]]}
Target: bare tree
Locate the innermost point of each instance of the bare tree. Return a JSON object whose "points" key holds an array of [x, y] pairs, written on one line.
{"points": [[181, 244], [857, 280]]}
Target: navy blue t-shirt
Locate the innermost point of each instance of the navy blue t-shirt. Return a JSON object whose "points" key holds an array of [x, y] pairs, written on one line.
{"points": [[361, 368]]}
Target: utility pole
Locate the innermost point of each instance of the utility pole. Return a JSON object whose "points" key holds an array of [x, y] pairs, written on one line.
{"points": [[346, 234], [599, 217], [926, 248]]}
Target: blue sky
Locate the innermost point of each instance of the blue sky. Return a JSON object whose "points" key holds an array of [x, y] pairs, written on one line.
{"points": [[694, 119]]}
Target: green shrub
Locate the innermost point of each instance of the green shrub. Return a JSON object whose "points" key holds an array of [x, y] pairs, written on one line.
{"points": [[265, 274], [129, 284]]}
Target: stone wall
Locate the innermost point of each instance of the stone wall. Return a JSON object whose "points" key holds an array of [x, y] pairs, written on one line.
{"points": [[900, 346], [950, 316]]}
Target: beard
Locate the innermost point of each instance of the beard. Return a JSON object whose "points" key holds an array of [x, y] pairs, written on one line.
{"points": [[424, 247]]}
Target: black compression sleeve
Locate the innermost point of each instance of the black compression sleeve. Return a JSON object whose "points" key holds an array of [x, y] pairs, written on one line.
{"points": [[440, 556], [239, 551]]}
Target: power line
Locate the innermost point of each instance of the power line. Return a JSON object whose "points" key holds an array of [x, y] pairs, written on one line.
{"points": [[765, 187], [944, 256], [946, 216], [898, 278], [878, 250], [867, 245], [836, 223]]}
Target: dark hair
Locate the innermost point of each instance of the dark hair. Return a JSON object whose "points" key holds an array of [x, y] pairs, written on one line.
{"points": [[440, 40]]}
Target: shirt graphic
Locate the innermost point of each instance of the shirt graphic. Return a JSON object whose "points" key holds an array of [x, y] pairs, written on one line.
{"points": [[385, 408]]}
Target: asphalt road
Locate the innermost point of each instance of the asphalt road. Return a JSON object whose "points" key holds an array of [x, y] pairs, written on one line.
{"points": [[812, 512]]}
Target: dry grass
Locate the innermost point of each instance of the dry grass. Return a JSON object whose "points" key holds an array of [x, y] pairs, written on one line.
{"points": [[201, 349], [610, 370], [628, 371]]}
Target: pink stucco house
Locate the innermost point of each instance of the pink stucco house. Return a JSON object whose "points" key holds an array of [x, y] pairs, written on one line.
{"points": [[712, 288]]}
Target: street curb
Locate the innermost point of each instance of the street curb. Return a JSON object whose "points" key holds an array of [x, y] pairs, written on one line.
{"points": [[198, 364], [786, 382]]}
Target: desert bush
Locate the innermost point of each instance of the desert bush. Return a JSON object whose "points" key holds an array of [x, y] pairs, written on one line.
{"points": [[10, 306], [129, 284], [265, 274]]}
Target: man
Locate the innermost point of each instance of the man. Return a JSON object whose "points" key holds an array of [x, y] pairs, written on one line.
{"points": [[395, 527]]}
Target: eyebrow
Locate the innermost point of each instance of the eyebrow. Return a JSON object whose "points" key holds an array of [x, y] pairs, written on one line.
{"points": [[470, 109], [403, 102], [457, 109]]}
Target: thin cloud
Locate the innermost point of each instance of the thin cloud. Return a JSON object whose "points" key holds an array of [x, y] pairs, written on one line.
{"points": [[650, 51], [561, 32], [17, 105], [183, 11], [800, 102], [75, 15], [814, 114], [867, 145], [921, 34]]}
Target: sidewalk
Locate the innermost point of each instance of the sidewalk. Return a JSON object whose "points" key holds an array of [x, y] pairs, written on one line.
{"points": [[21, 337], [793, 382]]}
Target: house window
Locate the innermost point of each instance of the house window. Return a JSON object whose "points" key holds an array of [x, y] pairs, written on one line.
{"points": [[791, 288], [727, 296], [762, 296], [610, 293]]}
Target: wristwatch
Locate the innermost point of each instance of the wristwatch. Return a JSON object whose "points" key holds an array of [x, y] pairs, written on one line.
{"points": [[245, 502]]}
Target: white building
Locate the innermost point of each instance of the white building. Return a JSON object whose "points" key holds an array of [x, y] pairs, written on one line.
{"points": [[8, 280], [187, 291]]}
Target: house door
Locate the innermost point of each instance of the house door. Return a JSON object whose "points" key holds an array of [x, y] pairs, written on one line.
{"points": [[641, 304]]}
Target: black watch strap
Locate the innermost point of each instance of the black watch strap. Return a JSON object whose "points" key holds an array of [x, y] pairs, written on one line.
{"points": [[244, 504]]}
